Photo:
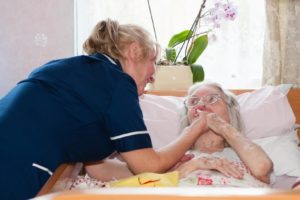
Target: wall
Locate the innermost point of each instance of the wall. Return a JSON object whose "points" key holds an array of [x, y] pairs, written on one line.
{"points": [[32, 33]]}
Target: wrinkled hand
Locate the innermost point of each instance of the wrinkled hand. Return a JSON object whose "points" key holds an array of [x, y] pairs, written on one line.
{"points": [[217, 124], [220, 164]]}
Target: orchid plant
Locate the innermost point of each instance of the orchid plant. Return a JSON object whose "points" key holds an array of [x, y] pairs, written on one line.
{"points": [[195, 40]]}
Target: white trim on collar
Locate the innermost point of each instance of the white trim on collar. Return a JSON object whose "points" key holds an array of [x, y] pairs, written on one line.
{"points": [[109, 58]]}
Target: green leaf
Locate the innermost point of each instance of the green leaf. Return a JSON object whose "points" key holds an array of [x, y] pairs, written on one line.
{"points": [[179, 38], [198, 73], [197, 48], [171, 54]]}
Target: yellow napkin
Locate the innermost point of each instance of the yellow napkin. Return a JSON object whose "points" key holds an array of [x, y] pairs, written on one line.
{"points": [[169, 179]]}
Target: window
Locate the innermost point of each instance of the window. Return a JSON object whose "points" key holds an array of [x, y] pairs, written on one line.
{"points": [[234, 59]]}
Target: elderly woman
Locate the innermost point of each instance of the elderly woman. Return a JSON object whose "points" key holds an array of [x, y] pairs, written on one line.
{"points": [[223, 147], [223, 155]]}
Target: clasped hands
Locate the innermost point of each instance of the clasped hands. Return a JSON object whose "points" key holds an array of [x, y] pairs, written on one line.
{"points": [[222, 165], [210, 121]]}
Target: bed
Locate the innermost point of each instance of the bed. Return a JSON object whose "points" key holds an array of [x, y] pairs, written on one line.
{"points": [[59, 184]]}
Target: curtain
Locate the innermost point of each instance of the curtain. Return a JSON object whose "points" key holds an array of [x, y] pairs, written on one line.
{"points": [[281, 60]]}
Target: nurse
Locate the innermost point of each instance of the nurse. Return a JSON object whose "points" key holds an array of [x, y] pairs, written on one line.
{"points": [[83, 109]]}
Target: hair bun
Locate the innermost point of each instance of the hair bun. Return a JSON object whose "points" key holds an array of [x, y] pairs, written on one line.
{"points": [[102, 26]]}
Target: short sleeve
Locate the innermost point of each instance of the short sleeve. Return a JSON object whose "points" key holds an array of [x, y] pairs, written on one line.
{"points": [[125, 119]]}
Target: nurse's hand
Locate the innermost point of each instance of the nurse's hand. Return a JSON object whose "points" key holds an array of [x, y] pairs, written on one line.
{"points": [[184, 159], [199, 123]]}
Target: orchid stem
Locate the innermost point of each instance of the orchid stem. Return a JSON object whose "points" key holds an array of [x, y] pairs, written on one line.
{"points": [[192, 31]]}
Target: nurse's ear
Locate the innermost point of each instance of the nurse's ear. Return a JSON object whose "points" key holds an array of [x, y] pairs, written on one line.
{"points": [[134, 52]]}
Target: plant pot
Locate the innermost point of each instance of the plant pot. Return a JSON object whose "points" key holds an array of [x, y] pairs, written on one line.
{"points": [[172, 77]]}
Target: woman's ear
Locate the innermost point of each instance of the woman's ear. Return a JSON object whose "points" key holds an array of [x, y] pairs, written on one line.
{"points": [[134, 51]]}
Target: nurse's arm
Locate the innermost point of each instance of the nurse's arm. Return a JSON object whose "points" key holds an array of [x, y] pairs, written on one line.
{"points": [[149, 160]]}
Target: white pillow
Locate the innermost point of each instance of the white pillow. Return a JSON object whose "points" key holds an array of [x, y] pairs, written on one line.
{"points": [[162, 116], [284, 152], [266, 112]]}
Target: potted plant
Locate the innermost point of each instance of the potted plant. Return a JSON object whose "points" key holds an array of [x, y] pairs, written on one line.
{"points": [[185, 48]]}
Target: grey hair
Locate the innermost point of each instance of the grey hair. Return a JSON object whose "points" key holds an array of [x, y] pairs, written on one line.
{"points": [[232, 104]]}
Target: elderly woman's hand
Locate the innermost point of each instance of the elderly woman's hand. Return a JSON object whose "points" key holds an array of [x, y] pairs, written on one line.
{"points": [[220, 164], [217, 124]]}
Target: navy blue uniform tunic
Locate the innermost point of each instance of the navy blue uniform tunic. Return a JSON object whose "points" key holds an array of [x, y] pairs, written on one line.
{"points": [[77, 109]]}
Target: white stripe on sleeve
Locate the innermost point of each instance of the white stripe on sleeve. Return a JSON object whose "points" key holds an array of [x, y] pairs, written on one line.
{"points": [[128, 134]]}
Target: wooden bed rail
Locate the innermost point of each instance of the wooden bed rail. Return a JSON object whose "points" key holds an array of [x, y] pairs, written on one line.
{"points": [[63, 176]]}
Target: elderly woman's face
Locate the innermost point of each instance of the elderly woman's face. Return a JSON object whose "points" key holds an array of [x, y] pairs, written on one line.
{"points": [[211, 100]]}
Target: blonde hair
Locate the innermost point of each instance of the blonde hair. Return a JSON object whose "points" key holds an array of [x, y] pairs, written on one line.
{"points": [[111, 38], [232, 104]]}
